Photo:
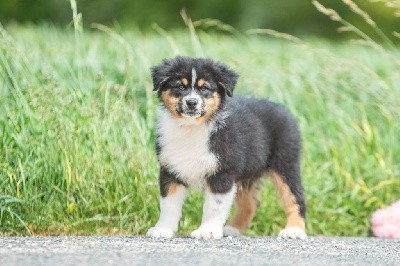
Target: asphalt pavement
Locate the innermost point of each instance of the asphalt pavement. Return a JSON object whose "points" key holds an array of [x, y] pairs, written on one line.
{"points": [[122, 250]]}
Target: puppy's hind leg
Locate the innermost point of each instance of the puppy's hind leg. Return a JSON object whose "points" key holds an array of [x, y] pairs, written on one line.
{"points": [[246, 206], [290, 191]]}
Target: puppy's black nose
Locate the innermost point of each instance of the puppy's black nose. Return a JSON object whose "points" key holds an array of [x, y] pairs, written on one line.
{"points": [[191, 103]]}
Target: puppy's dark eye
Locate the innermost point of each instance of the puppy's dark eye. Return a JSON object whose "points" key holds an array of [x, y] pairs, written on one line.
{"points": [[181, 87], [203, 89]]}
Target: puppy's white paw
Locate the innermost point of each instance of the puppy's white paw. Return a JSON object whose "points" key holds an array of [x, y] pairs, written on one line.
{"points": [[293, 233], [207, 232], [160, 232], [231, 231]]}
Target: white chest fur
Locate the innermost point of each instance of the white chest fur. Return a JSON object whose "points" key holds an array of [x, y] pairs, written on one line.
{"points": [[184, 149]]}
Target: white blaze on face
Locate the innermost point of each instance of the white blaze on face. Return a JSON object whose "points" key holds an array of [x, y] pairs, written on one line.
{"points": [[193, 95], [194, 77]]}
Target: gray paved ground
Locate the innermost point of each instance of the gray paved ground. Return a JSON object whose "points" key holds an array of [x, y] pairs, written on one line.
{"points": [[228, 251]]}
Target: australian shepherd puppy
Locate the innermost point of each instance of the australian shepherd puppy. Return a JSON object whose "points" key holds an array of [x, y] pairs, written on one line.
{"points": [[221, 145]]}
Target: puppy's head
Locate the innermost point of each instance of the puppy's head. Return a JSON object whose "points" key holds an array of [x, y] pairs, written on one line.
{"points": [[193, 88]]}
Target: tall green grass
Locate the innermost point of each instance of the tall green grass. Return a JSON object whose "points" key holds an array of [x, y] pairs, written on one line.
{"points": [[77, 120]]}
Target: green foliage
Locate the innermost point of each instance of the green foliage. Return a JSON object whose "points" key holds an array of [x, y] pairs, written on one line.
{"points": [[77, 116]]}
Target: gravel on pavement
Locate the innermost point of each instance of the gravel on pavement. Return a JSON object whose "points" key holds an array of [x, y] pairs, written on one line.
{"points": [[124, 250]]}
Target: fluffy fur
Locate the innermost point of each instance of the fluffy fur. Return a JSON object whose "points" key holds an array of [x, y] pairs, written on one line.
{"points": [[222, 145]]}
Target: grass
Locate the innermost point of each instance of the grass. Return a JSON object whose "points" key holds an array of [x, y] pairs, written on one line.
{"points": [[77, 117]]}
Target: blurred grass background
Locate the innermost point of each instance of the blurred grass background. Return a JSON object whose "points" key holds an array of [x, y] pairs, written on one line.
{"points": [[77, 116], [290, 16]]}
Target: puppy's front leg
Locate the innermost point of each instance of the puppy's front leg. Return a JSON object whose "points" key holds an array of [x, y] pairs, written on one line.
{"points": [[215, 212], [173, 195]]}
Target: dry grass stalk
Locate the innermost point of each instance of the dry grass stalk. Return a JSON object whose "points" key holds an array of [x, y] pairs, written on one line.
{"points": [[356, 9], [332, 14]]}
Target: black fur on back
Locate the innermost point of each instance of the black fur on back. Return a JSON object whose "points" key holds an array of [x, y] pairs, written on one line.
{"points": [[259, 136]]}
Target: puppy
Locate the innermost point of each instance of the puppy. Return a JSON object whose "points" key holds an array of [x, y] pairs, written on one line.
{"points": [[221, 145]]}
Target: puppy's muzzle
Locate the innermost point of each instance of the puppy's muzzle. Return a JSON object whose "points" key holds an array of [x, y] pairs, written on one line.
{"points": [[192, 103]]}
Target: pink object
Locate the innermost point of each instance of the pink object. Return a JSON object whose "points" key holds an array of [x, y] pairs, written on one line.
{"points": [[386, 221]]}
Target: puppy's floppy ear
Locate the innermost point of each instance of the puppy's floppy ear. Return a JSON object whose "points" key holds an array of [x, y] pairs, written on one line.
{"points": [[227, 78], [159, 74]]}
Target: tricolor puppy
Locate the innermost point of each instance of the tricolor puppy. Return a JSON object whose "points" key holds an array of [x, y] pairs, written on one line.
{"points": [[221, 145]]}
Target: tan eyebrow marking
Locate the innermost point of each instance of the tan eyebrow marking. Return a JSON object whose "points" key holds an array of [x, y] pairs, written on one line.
{"points": [[201, 82], [185, 81]]}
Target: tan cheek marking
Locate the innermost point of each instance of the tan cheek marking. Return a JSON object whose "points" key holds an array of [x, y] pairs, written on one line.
{"points": [[185, 81], [211, 105], [246, 206], [170, 102], [292, 210], [200, 83], [172, 188]]}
